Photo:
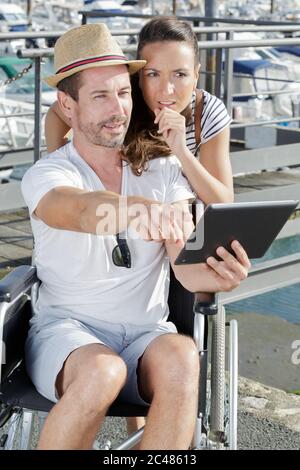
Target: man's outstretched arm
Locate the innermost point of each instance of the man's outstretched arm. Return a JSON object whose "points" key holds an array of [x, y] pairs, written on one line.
{"points": [[97, 212]]}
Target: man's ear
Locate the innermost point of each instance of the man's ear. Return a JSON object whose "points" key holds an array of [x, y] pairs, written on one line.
{"points": [[66, 103]]}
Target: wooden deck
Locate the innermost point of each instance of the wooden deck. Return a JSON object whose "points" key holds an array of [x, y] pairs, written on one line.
{"points": [[15, 240], [269, 184]]}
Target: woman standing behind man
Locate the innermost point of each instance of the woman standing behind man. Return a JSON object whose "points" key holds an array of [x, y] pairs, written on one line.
{"points": [[167, 108]]}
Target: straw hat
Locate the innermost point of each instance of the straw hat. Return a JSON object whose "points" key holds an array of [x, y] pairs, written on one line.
{"points": [[87, 46]]}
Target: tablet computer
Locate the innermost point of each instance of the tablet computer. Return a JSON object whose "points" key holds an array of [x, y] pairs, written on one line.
{"points": [[254, 224]]}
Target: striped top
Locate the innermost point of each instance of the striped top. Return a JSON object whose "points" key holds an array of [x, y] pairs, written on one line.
{"points": [[214, 119]]}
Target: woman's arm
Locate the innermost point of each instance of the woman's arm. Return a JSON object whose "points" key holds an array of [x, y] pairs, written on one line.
{"points": [[211, 178], [57, 125]]}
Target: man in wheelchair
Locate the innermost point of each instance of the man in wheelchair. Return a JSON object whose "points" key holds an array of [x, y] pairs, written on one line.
{"points": [[104, 235]]}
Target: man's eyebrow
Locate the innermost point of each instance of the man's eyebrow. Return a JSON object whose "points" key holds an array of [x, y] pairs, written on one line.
{"points": [[99, 91], [128, 87]]}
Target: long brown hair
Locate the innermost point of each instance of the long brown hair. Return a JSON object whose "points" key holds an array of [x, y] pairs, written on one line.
{"points": [[142, 142]]}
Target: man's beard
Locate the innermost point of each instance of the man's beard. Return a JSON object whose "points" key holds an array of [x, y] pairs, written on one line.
{"points": [[94, 132]]}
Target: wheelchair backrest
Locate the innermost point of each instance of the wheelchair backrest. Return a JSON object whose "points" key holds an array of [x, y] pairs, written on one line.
{"points": [[15, 330], [181, 304]]}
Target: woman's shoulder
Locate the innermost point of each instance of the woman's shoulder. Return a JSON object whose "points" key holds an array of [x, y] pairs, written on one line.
{"points": [[211, 101], [214, 117]]}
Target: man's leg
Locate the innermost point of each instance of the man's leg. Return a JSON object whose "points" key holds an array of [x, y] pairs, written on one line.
{"points": [[89, 382], [169, 378]]}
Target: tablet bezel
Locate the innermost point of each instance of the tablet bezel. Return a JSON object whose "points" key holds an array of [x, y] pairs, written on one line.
{"points": [[263, 220]]}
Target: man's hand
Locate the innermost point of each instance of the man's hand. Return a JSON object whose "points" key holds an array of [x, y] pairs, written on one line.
{"points": [[214, 275], [229, 272], [162, 222]]}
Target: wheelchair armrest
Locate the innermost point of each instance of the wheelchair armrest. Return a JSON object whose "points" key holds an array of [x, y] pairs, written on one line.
{"points": [[17, 281], [205, 303]]}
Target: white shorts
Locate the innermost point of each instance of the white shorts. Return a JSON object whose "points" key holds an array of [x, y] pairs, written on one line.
{"points": [[49, 344]]}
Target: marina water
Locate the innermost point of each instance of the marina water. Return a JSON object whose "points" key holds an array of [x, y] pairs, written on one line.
{"points": [[284, 302]]}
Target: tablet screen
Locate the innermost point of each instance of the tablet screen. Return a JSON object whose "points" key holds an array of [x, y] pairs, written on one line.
{"points": [[254, 224]]}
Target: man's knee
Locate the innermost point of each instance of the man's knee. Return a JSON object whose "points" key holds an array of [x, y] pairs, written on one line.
{"points": [[107, 373], [172, 364], [180, 360], [97, 376]]}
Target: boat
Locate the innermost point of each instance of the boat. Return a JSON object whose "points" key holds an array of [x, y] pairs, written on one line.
{"points": [[12, 19]]}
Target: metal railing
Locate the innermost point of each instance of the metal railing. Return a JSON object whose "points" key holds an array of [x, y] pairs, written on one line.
{"points": [[195, 19], [283, 28], [221, 47], [285, 272]]}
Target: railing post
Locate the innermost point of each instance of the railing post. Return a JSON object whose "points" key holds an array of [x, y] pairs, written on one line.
{"points": [[202, 59], [84, 20], [228, 75], [219, 72], [37, 108]]}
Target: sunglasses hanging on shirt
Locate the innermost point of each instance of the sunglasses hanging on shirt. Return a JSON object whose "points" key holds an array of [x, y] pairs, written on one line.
{"points": [[121, 254]]}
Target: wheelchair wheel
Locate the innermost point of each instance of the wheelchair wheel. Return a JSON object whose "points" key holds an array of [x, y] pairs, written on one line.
{"points": [[17, 433], [233, 385], [222, 399]]}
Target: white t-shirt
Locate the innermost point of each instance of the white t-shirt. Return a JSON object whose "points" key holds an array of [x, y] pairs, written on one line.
{"points": [[76, 269]]}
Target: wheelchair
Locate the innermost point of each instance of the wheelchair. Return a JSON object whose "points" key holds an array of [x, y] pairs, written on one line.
{"points": [[216, 421]]}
